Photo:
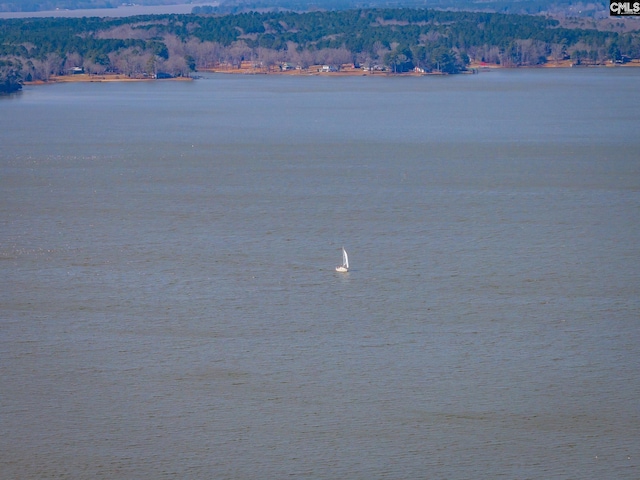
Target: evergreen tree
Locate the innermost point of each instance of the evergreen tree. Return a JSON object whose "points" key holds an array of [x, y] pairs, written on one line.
{"points": [[10, 80]]}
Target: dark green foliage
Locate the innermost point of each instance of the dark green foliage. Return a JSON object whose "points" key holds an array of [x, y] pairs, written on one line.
{"points": [[10, 77], [191, 63], [159, 49], [400, 60]]}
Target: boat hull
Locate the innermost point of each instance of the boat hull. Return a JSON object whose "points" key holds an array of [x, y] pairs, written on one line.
{"points": [[342, 269]]}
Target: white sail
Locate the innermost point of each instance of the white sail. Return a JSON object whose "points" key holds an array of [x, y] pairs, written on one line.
{"points": [[345, 262]]}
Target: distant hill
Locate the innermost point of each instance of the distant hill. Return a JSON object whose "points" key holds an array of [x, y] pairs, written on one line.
{"points": [[586, 8], [569, 7]]}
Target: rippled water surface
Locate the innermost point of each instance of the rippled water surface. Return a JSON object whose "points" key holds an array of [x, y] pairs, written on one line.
{"points": [[169, 305]]}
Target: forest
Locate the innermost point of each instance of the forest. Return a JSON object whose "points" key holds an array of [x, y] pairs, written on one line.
{"points": [[394, 40], [572, 7]]}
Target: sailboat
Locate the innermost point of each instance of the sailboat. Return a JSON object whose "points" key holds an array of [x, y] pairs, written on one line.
{"points": [[345, 262]]}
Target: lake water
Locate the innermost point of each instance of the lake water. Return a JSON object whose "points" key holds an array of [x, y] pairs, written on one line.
{"points": [[169, 306], [119, 11]]}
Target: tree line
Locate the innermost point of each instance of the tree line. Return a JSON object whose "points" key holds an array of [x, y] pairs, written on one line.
{"points": [[575, 7], [397, 40]]}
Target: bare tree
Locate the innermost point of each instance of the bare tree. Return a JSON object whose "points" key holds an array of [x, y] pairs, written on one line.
{"points": [[72, 60], [130, 62], [531, 52], [174, 65], [484, 53], [268, 58], [174, 45], [379, 50], [50, 65], [334, 56], [206, 54], [237, 52], [558, 52], [94, 68], [303, 59], [364, 59]]}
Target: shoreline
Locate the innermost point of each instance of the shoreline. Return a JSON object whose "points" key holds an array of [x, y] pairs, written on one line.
{"points": [[349, 71], [345, 71], [103, 78]]}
